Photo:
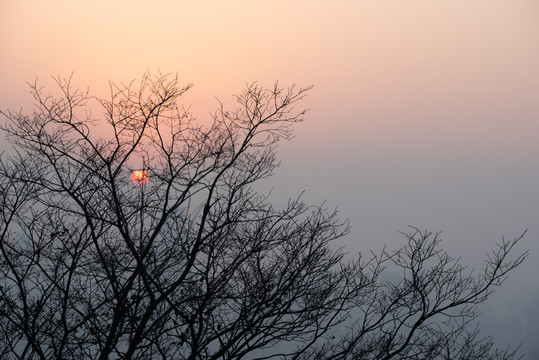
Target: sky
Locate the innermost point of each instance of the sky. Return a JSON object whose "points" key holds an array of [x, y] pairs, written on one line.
{"points": [[423, 112]]}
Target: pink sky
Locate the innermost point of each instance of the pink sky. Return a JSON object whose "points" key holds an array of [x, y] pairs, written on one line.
{"points": [[424, 112], [392, 70]]}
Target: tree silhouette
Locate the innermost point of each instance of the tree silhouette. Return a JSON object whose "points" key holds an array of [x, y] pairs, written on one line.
{"points": [[140, 236]]}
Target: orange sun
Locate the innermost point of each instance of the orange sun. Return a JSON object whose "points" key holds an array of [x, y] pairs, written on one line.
{"points": [[139, 177]]}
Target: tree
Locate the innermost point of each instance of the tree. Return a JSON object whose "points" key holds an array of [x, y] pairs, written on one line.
{"points": [[188, 261]]}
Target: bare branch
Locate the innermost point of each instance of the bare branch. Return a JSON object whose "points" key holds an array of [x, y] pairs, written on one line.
{"points": [[194, 263]]}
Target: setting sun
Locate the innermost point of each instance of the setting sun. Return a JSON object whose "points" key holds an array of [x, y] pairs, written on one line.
{"points": [[139, 177]]}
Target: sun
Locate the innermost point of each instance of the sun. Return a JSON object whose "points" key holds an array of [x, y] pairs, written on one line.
{"points": [[139, 177]]}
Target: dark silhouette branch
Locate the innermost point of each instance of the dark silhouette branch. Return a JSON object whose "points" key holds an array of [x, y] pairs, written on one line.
{"points": [[196, 264]]}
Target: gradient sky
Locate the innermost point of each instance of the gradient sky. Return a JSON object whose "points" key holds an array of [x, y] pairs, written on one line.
{"points": [[424, 112]]}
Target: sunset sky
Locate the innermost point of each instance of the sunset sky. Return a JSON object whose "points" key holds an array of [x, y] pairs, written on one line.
{"points": [[423, 112]]}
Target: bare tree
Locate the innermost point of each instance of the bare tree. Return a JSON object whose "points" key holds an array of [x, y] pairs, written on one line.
{"points": [[139, 236]]}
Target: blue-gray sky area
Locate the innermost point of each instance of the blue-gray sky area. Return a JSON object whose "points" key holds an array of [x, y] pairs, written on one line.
{"points": [[423, 113]]}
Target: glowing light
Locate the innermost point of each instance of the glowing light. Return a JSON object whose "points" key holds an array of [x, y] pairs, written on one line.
{"points": [[139, 177]]}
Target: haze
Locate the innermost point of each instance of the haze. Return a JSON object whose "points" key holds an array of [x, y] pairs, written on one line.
{"points": [[424, 112]]}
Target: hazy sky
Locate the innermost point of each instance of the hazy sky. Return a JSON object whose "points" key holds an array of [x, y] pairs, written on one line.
{"points": [[424, 112]]}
